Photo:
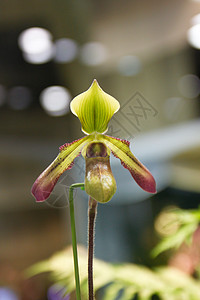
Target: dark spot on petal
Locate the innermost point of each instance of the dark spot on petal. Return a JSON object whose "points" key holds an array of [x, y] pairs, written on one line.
{"points": [[96, 149]]}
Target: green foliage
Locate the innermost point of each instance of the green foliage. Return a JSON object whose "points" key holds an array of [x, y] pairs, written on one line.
{"points": [[121, 282], [187, 221]]}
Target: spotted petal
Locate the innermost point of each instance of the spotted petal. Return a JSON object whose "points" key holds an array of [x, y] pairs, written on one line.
{"points": [[94, 108], [45, 183], [121, 150]]}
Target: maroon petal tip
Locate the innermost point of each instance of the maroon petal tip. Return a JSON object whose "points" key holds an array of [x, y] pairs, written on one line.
{"points": [[39, 192], [147, 182]]}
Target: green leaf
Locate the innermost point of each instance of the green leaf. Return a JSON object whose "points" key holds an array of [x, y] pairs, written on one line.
{"points": [[138, 276], [174, 241], [128, 293], [145, 294], [124, 280], [180, 283], [37, 268], [187, 224], [103, 273], [112, 291]]}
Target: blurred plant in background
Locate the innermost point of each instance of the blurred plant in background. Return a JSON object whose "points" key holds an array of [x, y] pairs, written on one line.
{"points": [[182, 224], [126, 281]]}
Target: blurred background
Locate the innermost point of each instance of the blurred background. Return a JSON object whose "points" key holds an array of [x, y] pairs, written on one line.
{"points": [[145, 54]]}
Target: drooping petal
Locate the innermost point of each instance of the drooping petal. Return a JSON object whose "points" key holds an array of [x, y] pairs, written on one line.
{"points": [[121, 150], [45, 183], [94, 108]]}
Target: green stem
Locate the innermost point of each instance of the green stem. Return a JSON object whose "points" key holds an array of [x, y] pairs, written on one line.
{"points": [[74, 242]]}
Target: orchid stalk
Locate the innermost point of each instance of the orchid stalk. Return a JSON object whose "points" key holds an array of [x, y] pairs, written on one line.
{"points": [[74, 242], [94, 108]]}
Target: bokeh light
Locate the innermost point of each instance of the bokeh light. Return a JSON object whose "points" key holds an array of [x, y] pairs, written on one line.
{"points": [[19, 97], [129, 65], [195, 20], [66, 50], [93, 53], [55, 100], [189, 86], [194, 36], [36, 45]]}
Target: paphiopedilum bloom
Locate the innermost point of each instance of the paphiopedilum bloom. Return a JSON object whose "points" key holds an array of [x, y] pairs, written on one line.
{"points": [[94, 108]]}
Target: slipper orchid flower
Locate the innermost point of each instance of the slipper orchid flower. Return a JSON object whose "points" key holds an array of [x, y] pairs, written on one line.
{"points": [[94, 108]]}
